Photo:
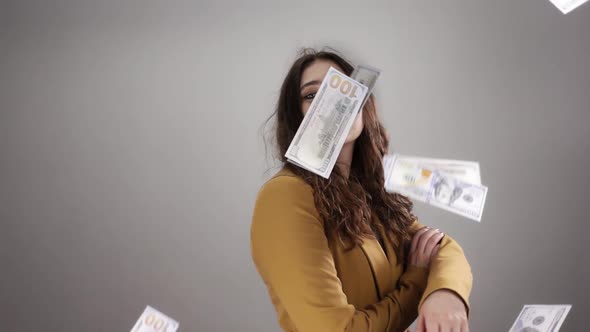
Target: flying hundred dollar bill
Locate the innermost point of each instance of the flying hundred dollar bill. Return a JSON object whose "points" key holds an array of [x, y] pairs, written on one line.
{"points": [[325, 126], [540, 318], [567, 6], [151, 320], [447, 184], [467, 171], [367, 76]]}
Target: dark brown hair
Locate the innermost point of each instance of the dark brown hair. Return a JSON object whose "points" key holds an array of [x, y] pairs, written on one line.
{"points": [[345, 203]]}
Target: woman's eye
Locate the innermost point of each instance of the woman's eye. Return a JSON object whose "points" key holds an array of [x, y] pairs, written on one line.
{"points": [[309, 96]]}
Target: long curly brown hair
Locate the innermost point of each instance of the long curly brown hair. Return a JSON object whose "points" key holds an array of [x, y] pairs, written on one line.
{"points": [[345, 203]]}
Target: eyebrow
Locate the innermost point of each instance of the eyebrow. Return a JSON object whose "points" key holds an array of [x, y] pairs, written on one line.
{"points": [[310, 83]]}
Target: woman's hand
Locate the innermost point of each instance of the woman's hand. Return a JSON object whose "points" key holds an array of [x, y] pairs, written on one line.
{"points": [[424, 246], [443, 311]]}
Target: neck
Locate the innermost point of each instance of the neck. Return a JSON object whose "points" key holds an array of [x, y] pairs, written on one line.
{"points": [[344, 160]]}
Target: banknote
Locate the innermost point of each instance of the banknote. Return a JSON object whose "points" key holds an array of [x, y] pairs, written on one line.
{"points": [[467, 171], [367, 76], [325, 126], [540, 318], [151, 320], [455, 195], [387, 167], [434, 187], [567, 6]]}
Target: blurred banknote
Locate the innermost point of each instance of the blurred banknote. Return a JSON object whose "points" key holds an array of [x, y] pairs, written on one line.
{"points": [[367, 76], [151, 320], [540, 318], [326, 124], [467, 171], [450, 185], [567, 6]]}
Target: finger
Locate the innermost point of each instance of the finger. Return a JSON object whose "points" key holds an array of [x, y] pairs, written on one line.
{"points": [[455, 324], [420, 326], [464, 326], [454, 327], [424, 239], [440, 241], [421, 238], [434, 251], [446, 326], [432, 242], [432, 326], [416, 238]]}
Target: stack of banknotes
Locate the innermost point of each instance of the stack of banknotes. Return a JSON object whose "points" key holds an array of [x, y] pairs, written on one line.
{"points": [[452, 185]]}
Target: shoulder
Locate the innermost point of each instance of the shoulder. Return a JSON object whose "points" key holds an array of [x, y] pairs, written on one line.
{"points": [[284, 201], [285, 186]]}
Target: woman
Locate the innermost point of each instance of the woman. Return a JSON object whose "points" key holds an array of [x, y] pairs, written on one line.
{"points": [[342, 254]]}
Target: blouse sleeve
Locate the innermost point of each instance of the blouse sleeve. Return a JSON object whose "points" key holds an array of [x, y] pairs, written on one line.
{"points": [[449, 269], [291, 253]]}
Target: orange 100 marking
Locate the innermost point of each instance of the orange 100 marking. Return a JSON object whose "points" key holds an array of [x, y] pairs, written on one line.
{"points": [[345, 86]]}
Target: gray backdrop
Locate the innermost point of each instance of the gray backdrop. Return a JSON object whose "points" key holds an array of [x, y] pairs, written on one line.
{"points": [[131, 152]]}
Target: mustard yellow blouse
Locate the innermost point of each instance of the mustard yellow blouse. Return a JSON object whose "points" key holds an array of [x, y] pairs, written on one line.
{"points": [[315, 285]]}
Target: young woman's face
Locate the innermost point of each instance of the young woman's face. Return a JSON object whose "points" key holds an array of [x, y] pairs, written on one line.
{"points": [[311, 79]]}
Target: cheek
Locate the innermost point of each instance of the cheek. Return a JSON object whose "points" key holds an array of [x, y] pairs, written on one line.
{"points": [[358, 123], [357, 127], [305, 107]]}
